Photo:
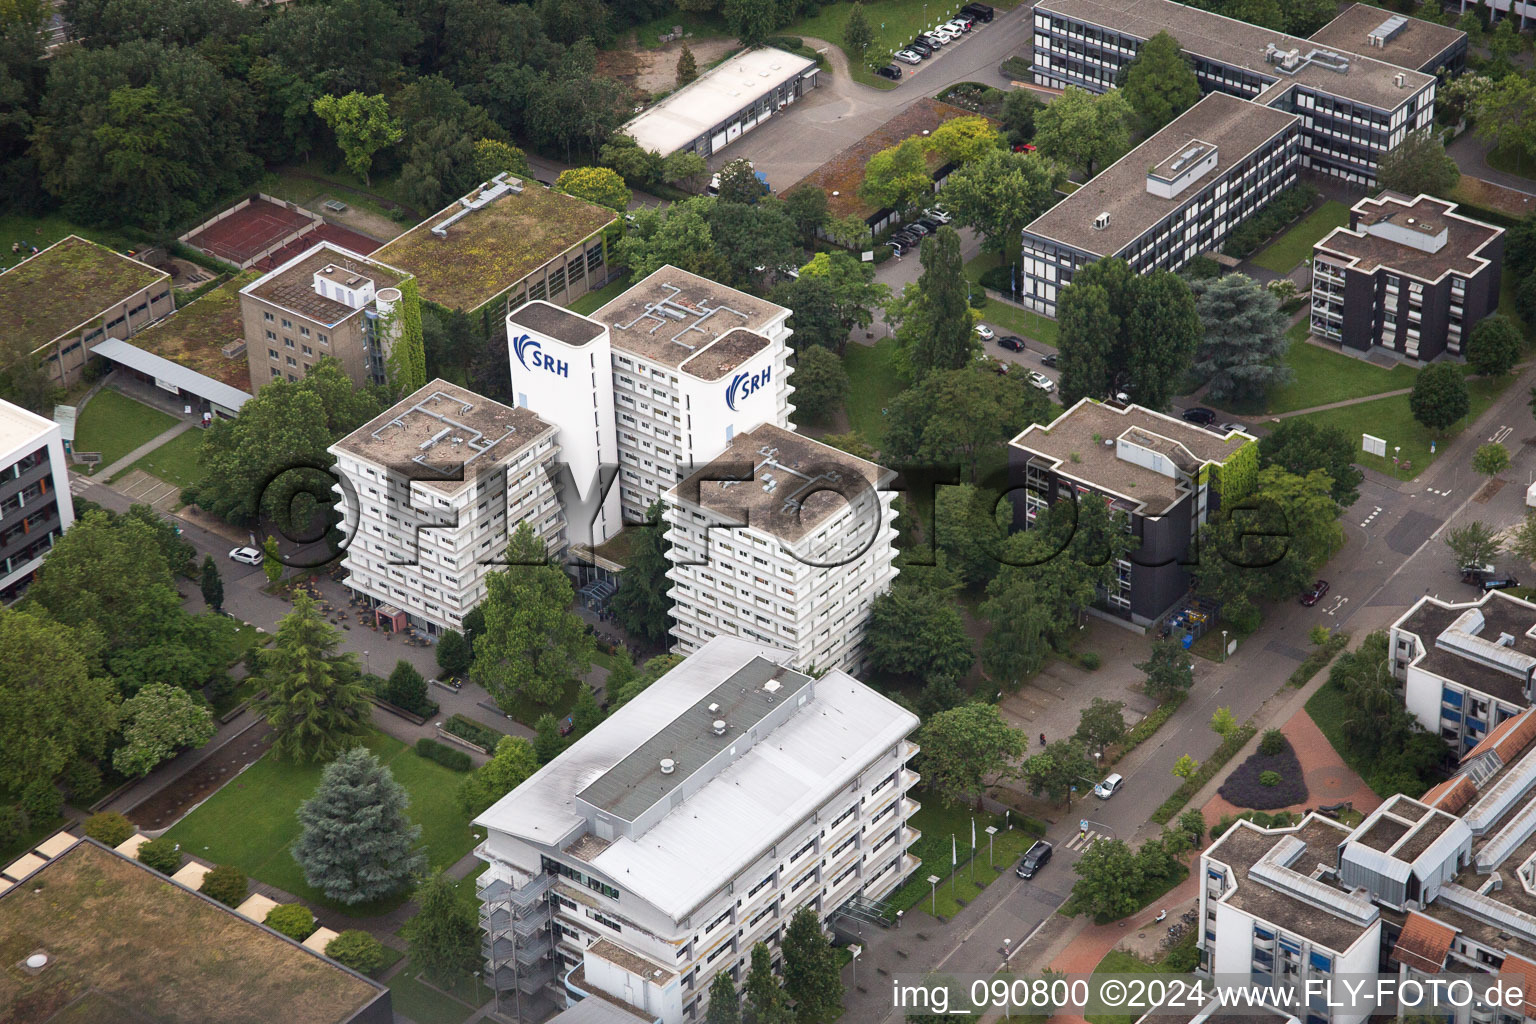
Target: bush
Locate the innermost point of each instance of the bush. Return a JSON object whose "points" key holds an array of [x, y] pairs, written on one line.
{"points": [[42, 801], [1266, 781], [1183, 958], [13, 822], [227, 884], [1272, 742], [292, 919], [160, 854], [469, 729], [999, 279], [1090, 660], [1253, 232], [1269, 778], [356, 949], [979, 299], [1201, 268], [443, 755], [109, 828]]}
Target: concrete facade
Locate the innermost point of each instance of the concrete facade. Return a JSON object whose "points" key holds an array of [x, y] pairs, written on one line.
{"points": [[35, 504]]}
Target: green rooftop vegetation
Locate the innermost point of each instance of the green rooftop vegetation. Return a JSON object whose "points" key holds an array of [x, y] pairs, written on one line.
{"points": [[197, 333], [493, 248], [64, 286]]}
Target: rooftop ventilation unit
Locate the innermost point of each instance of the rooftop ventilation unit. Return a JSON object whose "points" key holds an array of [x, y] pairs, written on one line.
{"points": [[668, 766], [1101, 221], [1387, 31], [718, 727]]}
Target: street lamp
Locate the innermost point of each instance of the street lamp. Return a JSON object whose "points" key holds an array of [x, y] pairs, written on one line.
{"points": [[933, 894], [855, 950], [367, 665], [1223, 646], [991, 831]]}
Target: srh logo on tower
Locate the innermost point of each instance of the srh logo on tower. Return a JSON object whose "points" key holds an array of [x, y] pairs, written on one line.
{"points": [[743, 384], [533, 357]]}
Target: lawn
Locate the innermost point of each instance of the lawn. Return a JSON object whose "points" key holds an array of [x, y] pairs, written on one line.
{"points": [[1118, 961], [938, 822], [252, 821], [873, 384], [295, 185], [1324, 375], [593, 301], [425, 1004], [44, 231], [114, 425], [1283, 254], [1011, 319], [175, 462]]}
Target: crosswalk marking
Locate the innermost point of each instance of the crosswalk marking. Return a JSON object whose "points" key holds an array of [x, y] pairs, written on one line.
{"points": [[1083, 840]]}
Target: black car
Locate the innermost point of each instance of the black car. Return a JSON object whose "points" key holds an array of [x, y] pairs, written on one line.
{"points": [[1038, 857], [981, 12], [921, 45], [1011, 342], [905, 238], [1049, 359], [1200, 415], [890, 71], [1499, 583], [930, 223]]}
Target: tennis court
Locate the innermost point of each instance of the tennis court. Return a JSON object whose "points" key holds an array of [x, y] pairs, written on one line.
{"points": [[242, 235], [350, 240]]}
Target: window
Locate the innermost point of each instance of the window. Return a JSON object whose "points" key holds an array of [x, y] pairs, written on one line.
{"points": [[324, 340], [272, 353], [271, 335], [287, 323], [267, 316]]}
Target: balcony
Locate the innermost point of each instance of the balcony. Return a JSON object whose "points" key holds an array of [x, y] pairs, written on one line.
{"points": [[907, 750], [907, 779]]}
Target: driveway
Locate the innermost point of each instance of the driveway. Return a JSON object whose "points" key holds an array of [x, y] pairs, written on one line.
{"points": [[1471, 156]]}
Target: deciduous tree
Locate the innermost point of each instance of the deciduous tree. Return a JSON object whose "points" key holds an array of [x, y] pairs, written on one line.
{"points": [[211, 583], [955, 417], [1439, 397], [1109, 880], [1490, 459], [357, 843], [1000, 192], [158, 721], [1101, 722], [1084, 131], [1299, 446], [807, 207], [812, 978], [858, 34], [917, 633], [724, 1003], [362, 125], [1170, 671], [1475, 545], [1418, 164], [821, 383], [1494, 346], [597, 185], [766, 1001], [513, 762], [938, 332], [961, 140], [964, 747], [897, 177], [1057, 770]]}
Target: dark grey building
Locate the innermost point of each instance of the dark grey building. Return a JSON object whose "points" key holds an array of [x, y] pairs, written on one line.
{"points": [[1409, 275], [1160, 471]]}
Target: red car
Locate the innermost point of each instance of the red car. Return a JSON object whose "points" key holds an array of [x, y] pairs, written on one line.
{"points": [[1024, 147], [1315, 595]]}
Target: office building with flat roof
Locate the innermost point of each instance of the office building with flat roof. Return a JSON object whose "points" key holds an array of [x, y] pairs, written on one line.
{"points": [[1175, 196], [35, 503], [1396, 38], [689, 826], [433, 488], [1162, 473], [718, 107], [785, 541], [1409, 275], [1354, 102]]}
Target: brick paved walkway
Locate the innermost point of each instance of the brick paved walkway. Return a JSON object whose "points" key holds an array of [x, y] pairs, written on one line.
{"points": [[1329, 780]]}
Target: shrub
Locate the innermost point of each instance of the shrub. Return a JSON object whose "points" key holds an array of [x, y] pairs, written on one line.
{"points": [[469, 729], [1183, 958], [999, 279], [227, 884], [42, 800], [1269, 778], [356, 949], [160, 854], [979, 299], [13, 822], [1285, 207], [1266, 781], [292, 919], [1272, 742], [109, 828], [443, 755], [1090, 660]]}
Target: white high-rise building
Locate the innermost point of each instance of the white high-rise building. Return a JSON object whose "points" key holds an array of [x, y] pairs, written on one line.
{"points": [[434, 485], [785, 541], [691, 825], [35, 504], [691, 364]]}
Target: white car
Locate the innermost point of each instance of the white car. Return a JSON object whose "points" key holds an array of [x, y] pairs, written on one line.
{"points": [[949, 34], [939, 214], [936, 39], [908, 56], [984, 332], [1041, 381], [1109, 787], [957, 26], [245, 556]]}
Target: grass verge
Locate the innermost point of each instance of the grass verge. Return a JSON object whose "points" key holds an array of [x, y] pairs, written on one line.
{"points": [[114, 425], [1323, 376], [1118, 961], [175, 462], [1213, 764], [1317, 659], [938, 823], [593, 301], [1011, 319], [1284, 253]]}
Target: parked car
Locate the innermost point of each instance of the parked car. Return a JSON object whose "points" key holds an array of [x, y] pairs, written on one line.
{"points": [[921, 46], [1035, 858], [917, 229], [897, 249], [1041, 381], [908, 56], [938, 214], [1475, 574], [1011, 342], [981, 12], [1024, 147], [245, 556], [1049, 359], [930, 224], [933, 39], [949, 35], [890, 71], [1200, 416], [960, 24], [984, 332], [1109, 787], [1499, 583], [1227, 428], [1314, 595], [906, 238]]}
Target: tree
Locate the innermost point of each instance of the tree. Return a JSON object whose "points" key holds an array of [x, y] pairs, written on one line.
{"points": [[619, 695], [1101, 722], [1084, 131], [454, 654], [1109, 880], [751, 20], [406, 688], [998, 194], [941, 334], [547, 742], [821, 383], [444, 936], [211, 583], [1162, 335], [964, 746], [1439, 397], [858, 34], [1475, 544], [1185, 767], [961, 140], [316, 702], [1159, 84], [724, 1003], [766, 1001], [1222, 722], [1087, 326], [1523, 542], [53, 711], [533, 646], [835, 294], [227, 884], [109, 828], [1120, 332], [956, 417], [1304, 17], [271, 560], [739, 182], [1018, 115], [492, 157], [357, 843], [362, 125], [912, 632], [753, 236], [1490, 459], [585, 714], [812, 975], [969, 524], [1299, 446], [163, 855], [597, 185], [641, 604], [512, 763], [1418, 164], [356, 949], [1241, 354], [1504, 113], [1057, 770], [682, 166], [1192, 824], [680, 235], [158, 721], [1170, 671], [1494, 346], [633, 164], [687, 67], [898, 177], [807, 207]]}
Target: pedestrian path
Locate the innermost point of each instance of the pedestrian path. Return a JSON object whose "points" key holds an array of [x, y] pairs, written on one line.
{"points": [[107, 472], [1083, 840]]}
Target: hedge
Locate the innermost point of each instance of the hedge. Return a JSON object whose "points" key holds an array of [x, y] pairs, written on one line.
{"points": [[292, 919], [480, 735], [443, 755], [1155, 720], [1267, 220], [1213, 764]]}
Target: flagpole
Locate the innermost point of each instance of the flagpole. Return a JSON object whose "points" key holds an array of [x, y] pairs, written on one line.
{"points": [[973, 850], [954, 863]]}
